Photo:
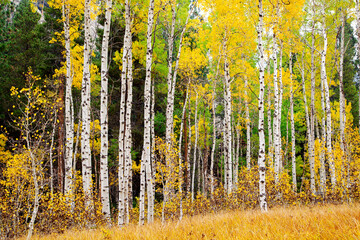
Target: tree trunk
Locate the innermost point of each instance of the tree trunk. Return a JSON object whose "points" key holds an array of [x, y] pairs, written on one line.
{"points": [[248, 129], [312, 113], [341, 84], [146, 161], [180, 143], [85, 108], [213, 95], [269, 116], [293, 158], [228, 130], [195, 147], [188, 184], [171, 82], [104, 172], [327, 106], [61, 145], [279, 144], [261, 159], [323, 135], [69, 124], [276, 115]]}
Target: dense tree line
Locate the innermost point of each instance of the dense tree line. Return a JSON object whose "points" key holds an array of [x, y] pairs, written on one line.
{"points": [[121, 111]]}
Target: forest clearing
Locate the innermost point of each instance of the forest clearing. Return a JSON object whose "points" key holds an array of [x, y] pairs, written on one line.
{"points": [[180, 119], [291, 222]]}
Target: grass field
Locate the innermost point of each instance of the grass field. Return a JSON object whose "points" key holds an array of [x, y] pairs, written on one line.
{"points": [[311, 222]]}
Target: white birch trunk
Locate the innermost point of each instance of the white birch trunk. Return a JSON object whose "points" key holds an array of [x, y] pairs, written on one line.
{"points": [[69, 130], [327, 107], [85, 108], [261, 159], [308, 128], [248, 129], [341, 84], [269, 116], [236, 168], [153, 164], [146, 161], [180, 143], [104, 172], [188, 187], [276, 115], [123, 177], [280, 99], [128, 138], [228, 129], [195, 147], [293, 157], [213, 95], [312, 114], [323, 106]]}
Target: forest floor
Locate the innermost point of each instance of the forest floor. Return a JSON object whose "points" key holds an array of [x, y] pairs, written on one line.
{"points": [[306, 222]]}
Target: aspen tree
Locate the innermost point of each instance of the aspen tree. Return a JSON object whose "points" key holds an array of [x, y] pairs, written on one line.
{"points": [[85, 108], [341, 85], [213, 95], [269, 116], [293, 158], [248, 137], [311, 137], [195, 145], [145, 172], [308, 128], [69, 123], [180, 142], [276, 112], [280, 99], [124, 120], [261, 159], [104, 172], [189, 181], [327, 102], [171, 80], [228, 129]]}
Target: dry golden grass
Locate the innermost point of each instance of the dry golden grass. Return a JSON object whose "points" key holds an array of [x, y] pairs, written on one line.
{"points": [[316, 222]]}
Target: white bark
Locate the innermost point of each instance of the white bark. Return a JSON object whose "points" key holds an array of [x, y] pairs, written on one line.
{"points": [[146, 161], [269, 116], [171, 79], [327, 106], [125, 124], [341, 84], [195, 147], [308, 128], [279, 144], [213, 95], [85, 108], [104, 172], [323, 124], [128, 138], [261, 159], [228, 129], [69, 124], [180, 155], [276, 115], [312, 113], [189, 149], [248, 129], [293, 158]]}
